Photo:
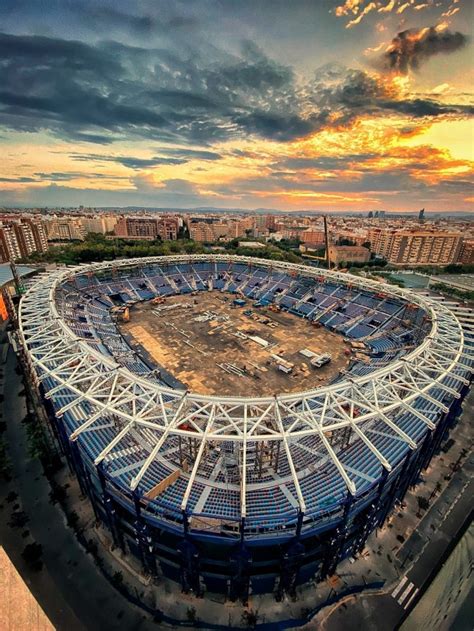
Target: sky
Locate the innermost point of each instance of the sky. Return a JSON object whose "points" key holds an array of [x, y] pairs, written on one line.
{"points": [[344, 105]]}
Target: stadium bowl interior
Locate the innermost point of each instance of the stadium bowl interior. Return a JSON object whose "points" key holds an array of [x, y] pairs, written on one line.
{"points": [[243, 495]]}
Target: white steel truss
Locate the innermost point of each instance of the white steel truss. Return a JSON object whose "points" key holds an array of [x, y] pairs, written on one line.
{"points": [[78, 373]]}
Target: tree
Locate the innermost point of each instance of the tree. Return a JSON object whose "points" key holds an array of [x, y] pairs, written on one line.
{"points": [[73, 520], [250, 618], [18, 519], [37, 444], [32, 555], [5, 462], [183, 232], [423, 503], [117, 579], [191, 615]]}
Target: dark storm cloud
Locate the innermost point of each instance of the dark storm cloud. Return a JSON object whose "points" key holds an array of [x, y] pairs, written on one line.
{"points": [[112, 18], [355, 93], [111, 91], [115, 19], [191, 154], [172, 156], [17, 179], [145, 163], [65, 176], [410, 48], [129, 161]]}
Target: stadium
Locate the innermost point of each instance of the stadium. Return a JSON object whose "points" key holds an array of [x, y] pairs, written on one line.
{"points": [[270, 484]]}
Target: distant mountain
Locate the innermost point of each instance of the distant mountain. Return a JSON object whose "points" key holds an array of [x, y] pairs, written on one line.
{"points": [[258, 211]]}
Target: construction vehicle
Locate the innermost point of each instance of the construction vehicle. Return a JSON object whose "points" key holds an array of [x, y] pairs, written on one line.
{"points": [[321, 360]]}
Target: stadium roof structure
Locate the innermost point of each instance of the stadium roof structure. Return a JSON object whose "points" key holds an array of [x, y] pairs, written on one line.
{"points": [[438, 363]]}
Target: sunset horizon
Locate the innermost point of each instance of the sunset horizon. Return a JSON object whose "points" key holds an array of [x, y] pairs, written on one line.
{"points": [[331, 106]]}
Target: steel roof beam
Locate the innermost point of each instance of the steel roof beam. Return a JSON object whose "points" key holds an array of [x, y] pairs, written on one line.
{"points": [[197, 462], [289, 458], [114, 442], [177, 419], [383, 461], [349, 483]]}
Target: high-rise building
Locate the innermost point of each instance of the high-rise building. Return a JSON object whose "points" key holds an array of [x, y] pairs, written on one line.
{"points": [[9, 246], [466, 253], [144, 228], [415, 247], [39, 234], [168, 227], [108, 222], [147, 228], [99, 223], [209, 231], [92, 224], [21, 237], [270, 222]]}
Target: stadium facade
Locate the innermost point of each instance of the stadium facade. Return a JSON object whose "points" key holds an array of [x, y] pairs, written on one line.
{"points": [[244, 495]]}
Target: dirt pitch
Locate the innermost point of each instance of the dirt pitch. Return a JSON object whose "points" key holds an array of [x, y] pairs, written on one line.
{"points": [[203, 341]]}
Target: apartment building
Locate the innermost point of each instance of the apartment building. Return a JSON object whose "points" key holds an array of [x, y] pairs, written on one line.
{"points": [[40, 236], [9, 246], [209, 231], [65, 229], [21, 237], [136, 228], [168, 227], [416, 247], [147, 228], [466, 253], [270, 222], [101, 224]]}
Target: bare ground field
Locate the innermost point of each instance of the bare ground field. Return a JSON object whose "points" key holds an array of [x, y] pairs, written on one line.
{"points": [[205, 342]]}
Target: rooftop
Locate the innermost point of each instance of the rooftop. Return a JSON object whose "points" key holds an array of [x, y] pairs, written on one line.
{"points": [[6, 275]]}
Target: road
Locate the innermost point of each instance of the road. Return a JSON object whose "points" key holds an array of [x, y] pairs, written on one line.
{"points": [[385, 612]]}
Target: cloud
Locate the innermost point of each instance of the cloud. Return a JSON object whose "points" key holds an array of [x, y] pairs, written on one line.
{"points": [[17, 179], [98, 92], [336, 163], [106, 92], [172, 156], [66, 176], [113, 19], [357, 10], [411, 48], [146, 163], [348, 94], [191, 154]]}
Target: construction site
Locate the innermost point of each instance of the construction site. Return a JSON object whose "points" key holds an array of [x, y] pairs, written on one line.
{"points": [[219, 344]]}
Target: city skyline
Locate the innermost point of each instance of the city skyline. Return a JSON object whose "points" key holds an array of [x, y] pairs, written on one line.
{"points": [[330, 106]]}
